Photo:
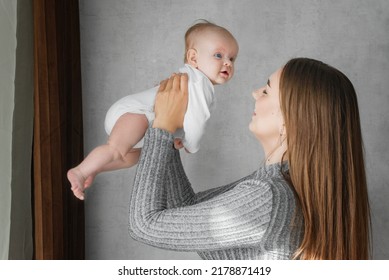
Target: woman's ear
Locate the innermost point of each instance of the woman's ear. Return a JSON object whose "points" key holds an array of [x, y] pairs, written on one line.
{"points": [[191, 57]]}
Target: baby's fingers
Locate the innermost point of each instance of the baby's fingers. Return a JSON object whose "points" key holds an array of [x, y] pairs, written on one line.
{"points": [[178, 144]]}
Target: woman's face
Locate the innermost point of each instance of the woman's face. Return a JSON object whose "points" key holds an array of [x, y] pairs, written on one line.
{"points": [[267, 120]]}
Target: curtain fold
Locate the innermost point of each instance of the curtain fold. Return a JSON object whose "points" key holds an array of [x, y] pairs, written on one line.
{"points": [[21, 237], [16, 129], [8, 20]]}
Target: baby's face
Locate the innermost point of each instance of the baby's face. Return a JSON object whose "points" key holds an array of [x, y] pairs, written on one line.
{"points": [[216, 54]]}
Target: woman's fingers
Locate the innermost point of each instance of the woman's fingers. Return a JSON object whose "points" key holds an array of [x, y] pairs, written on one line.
{"points": [[184, 83], [169, 84], [172, 82], [176, 81], [162, 85]]}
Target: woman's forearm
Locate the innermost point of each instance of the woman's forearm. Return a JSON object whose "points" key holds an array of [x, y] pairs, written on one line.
{"points": [[165, 212]]}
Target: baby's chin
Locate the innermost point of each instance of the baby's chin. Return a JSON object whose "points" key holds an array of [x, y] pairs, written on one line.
{"points": [[221, 80]]}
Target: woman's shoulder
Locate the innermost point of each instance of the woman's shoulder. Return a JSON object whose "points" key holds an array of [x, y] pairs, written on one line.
{"points": [[268, 175], [268, 181]]}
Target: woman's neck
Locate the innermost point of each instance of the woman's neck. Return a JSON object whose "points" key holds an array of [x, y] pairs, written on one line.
{"points": [[276, 154]]}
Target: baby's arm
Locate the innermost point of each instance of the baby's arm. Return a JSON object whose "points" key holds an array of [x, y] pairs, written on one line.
{"points": [[117, 153]]}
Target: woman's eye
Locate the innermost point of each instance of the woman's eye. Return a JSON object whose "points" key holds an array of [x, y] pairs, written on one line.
{"points": [[264, 91], [218, 55]]}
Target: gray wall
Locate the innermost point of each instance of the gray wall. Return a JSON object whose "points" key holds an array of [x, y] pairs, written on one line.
{"points": [[128, 46]]}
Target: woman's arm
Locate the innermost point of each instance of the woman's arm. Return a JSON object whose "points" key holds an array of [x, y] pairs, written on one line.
{"points": [[236, 217], [229, 217], [179, 190], [173, 93]]}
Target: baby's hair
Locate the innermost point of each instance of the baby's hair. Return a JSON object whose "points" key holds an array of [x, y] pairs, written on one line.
{"points": [[199, 26]]}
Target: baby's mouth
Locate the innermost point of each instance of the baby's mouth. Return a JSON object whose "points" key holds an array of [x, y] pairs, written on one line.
{"points": [[225, 73]]}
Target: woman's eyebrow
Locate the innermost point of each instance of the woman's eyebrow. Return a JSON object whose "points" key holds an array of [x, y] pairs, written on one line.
{"points": [[268, 83]]}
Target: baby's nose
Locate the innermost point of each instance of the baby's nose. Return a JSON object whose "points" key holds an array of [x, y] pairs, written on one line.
{"points": [[227, 61]]}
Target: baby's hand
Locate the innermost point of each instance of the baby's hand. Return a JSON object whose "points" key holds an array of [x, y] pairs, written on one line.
{"points": [[178, 145]]}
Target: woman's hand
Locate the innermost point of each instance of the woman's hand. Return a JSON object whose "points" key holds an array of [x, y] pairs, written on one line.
{"points": [[171, 103]]}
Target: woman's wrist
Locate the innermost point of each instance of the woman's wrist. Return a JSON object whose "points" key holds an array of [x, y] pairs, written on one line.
{"points": [[157, 123]]}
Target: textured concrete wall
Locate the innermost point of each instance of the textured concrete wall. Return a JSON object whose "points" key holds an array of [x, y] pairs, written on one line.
{"points": [[128, 46]]}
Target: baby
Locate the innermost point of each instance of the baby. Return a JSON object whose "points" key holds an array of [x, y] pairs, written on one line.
{"points": [[210, 53]]}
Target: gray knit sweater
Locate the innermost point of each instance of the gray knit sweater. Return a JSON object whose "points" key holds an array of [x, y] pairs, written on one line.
{"points": [[252, 218]]}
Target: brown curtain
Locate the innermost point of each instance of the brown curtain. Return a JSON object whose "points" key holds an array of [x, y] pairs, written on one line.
{"points": [[58, 145]]}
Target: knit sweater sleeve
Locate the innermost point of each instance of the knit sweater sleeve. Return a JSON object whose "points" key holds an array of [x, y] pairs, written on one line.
{"points": [[236, 215], [178, 188]]}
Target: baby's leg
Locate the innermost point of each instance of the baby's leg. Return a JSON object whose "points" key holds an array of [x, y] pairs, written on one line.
{"points": [[126, 133], [116, 154]]}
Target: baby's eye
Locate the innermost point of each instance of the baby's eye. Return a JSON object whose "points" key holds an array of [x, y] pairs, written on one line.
{"points": [[218, 55]]}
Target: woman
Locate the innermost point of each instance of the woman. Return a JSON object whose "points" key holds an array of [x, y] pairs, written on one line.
{"points": [[309, 201]]}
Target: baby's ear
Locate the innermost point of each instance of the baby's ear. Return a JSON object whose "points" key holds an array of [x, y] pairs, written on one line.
{"points": [[191, 57]]}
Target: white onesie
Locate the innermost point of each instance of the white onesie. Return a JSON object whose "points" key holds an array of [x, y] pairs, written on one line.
{"points": [[200, 104]]}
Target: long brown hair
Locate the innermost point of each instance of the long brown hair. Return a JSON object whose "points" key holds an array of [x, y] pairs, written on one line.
{"points": [[326, 160]]}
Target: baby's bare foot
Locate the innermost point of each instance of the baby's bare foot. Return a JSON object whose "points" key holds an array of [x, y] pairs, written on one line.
{"points": [[89, 181], [77, 181]]}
